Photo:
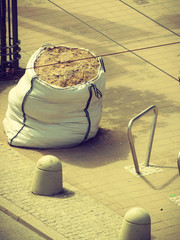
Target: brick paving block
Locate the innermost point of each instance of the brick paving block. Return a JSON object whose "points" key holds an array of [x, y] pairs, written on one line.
{"points": [[167, 232], [168, 215], [114, 205], [170, 237], [173, 222], [158, 226]]}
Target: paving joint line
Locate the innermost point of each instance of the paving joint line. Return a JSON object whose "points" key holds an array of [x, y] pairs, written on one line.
{"points": [[150, 18], [106, 36]]}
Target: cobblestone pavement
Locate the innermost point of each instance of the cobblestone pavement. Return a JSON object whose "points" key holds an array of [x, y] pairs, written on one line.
{"points": [[71, 214]]}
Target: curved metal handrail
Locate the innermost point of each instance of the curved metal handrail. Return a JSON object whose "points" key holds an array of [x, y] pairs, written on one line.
{"points": [[130, 138]]}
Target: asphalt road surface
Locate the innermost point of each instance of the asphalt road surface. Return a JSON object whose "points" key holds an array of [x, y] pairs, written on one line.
{"points": [[13, 230]]}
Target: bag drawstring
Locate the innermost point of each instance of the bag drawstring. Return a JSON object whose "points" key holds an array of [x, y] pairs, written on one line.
{"points": [[98, 94], [102, 63]]}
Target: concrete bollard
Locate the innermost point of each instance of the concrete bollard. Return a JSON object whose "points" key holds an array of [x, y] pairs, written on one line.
{"points": [[136, 225], [47, 179]]}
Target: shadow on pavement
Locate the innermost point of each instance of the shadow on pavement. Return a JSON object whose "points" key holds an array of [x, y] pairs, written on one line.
{"points": [[7, 84], [171, 21], [66, 193], [120, 104], [58, 27], [108, 146], [169, 181]]}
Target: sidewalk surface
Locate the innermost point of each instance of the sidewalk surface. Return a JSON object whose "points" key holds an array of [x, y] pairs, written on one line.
{"points": [[100, 183]]}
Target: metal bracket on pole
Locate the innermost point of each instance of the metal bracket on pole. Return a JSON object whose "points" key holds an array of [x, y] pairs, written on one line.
{"points": [[130, 138]]}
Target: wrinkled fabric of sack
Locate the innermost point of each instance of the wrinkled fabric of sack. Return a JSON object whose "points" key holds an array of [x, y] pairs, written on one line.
{"points": [[41, 115]]}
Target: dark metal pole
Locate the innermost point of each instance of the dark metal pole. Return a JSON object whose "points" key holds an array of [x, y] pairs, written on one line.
{"points": [[15, 33], [9, 30], [9, 37], [3, 35]]}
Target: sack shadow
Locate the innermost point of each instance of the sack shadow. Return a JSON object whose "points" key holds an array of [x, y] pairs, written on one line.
{"points": [[65, 193], [106, 147]]}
